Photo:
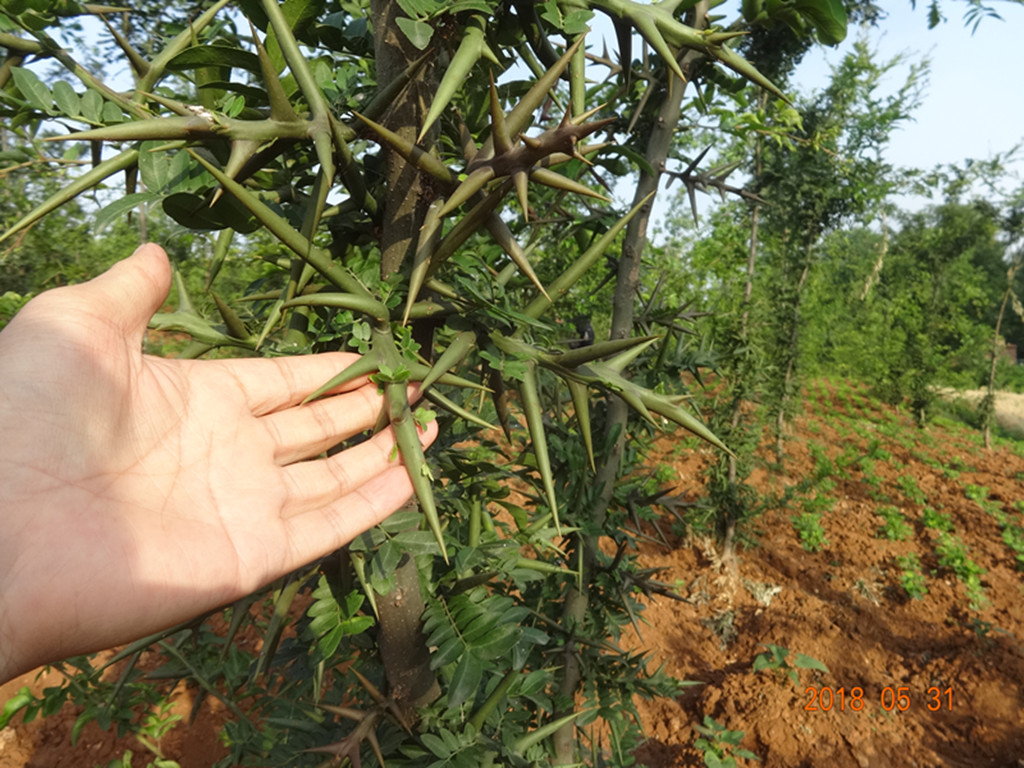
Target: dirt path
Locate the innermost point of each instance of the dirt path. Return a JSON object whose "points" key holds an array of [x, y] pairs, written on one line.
{"points": [[1009, 407]]}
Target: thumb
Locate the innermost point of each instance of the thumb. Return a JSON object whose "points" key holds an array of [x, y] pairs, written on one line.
{"points": [[133, 289]]}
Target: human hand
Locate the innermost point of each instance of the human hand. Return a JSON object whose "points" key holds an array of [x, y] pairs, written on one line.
{"points": [[137, 492]]}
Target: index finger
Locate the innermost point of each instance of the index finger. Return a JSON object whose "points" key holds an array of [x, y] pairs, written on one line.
{"points": [[271, 384]]}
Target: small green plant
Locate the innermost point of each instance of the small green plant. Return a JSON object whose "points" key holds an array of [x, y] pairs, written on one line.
{"points": [[895, 527], [867, 469], [1013, 537], [978, 493], [666, 474], [937, 521], [913, 581], [154, 726], [809, 529], [983, 629], [953, 554], [911, 489], [125, 761], [824, 468], [720, 746], [958, 464], [783, 661], [975, 593]]}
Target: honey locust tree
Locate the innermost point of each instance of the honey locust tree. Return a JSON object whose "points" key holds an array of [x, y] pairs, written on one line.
{"points": [[437, 177]]}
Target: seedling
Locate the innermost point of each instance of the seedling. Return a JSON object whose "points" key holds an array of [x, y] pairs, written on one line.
{"points": [[914, 583], [911, 489], [780, 661], [1013, 537], [720, 745], [953, 554], [938, 521], [809, 529], [867, 468], [895, 527]]}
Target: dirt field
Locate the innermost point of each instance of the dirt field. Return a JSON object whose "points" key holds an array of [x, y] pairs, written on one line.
{"points": [[911, 682], [961, 670]]}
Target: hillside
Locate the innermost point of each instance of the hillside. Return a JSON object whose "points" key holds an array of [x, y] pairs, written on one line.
{"points": [[936, 679]]}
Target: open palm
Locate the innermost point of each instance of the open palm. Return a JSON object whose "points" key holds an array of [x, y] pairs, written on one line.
{"points": [[138, 491]]}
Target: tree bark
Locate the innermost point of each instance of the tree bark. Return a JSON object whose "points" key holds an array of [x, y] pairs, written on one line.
{"points": [[574, 609], [791, 355], [407, 198], [403, 647], [989, 402]]}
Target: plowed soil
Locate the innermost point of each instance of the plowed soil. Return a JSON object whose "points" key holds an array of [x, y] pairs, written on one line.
{"points": [[911, 683], [926, 682]]}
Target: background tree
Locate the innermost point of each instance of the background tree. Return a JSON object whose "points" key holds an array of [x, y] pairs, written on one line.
{"points": [[435, 226]]}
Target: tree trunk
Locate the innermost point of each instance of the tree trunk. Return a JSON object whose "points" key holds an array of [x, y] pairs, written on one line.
{"points": [[879, 262], [791, 355], [403, 647], [658, 145], [988, 404], [407, 198], [728, 544]]}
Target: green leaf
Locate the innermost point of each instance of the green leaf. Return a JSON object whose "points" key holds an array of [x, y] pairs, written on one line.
{"points": [[472, 5], [111, 113], [418, 542], [66, 99], [92, 106], [154, 166], [15, 704], [577, 21], [33, 89], [435, 744], [465, 680], [119, 207], [418, 32], [420, 8], [215, 56], [447, 652], [498, 642], [809, 662], [195, 212], [400, 521], [827, 16]]}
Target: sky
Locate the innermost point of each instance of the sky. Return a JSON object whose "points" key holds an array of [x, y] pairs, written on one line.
{"points": [[974, 103]]}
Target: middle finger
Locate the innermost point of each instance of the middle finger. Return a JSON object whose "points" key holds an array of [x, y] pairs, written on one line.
{"points": [[308, 430]]}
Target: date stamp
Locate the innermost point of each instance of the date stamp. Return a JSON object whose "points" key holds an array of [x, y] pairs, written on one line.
{"points": [[891, 698]]}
